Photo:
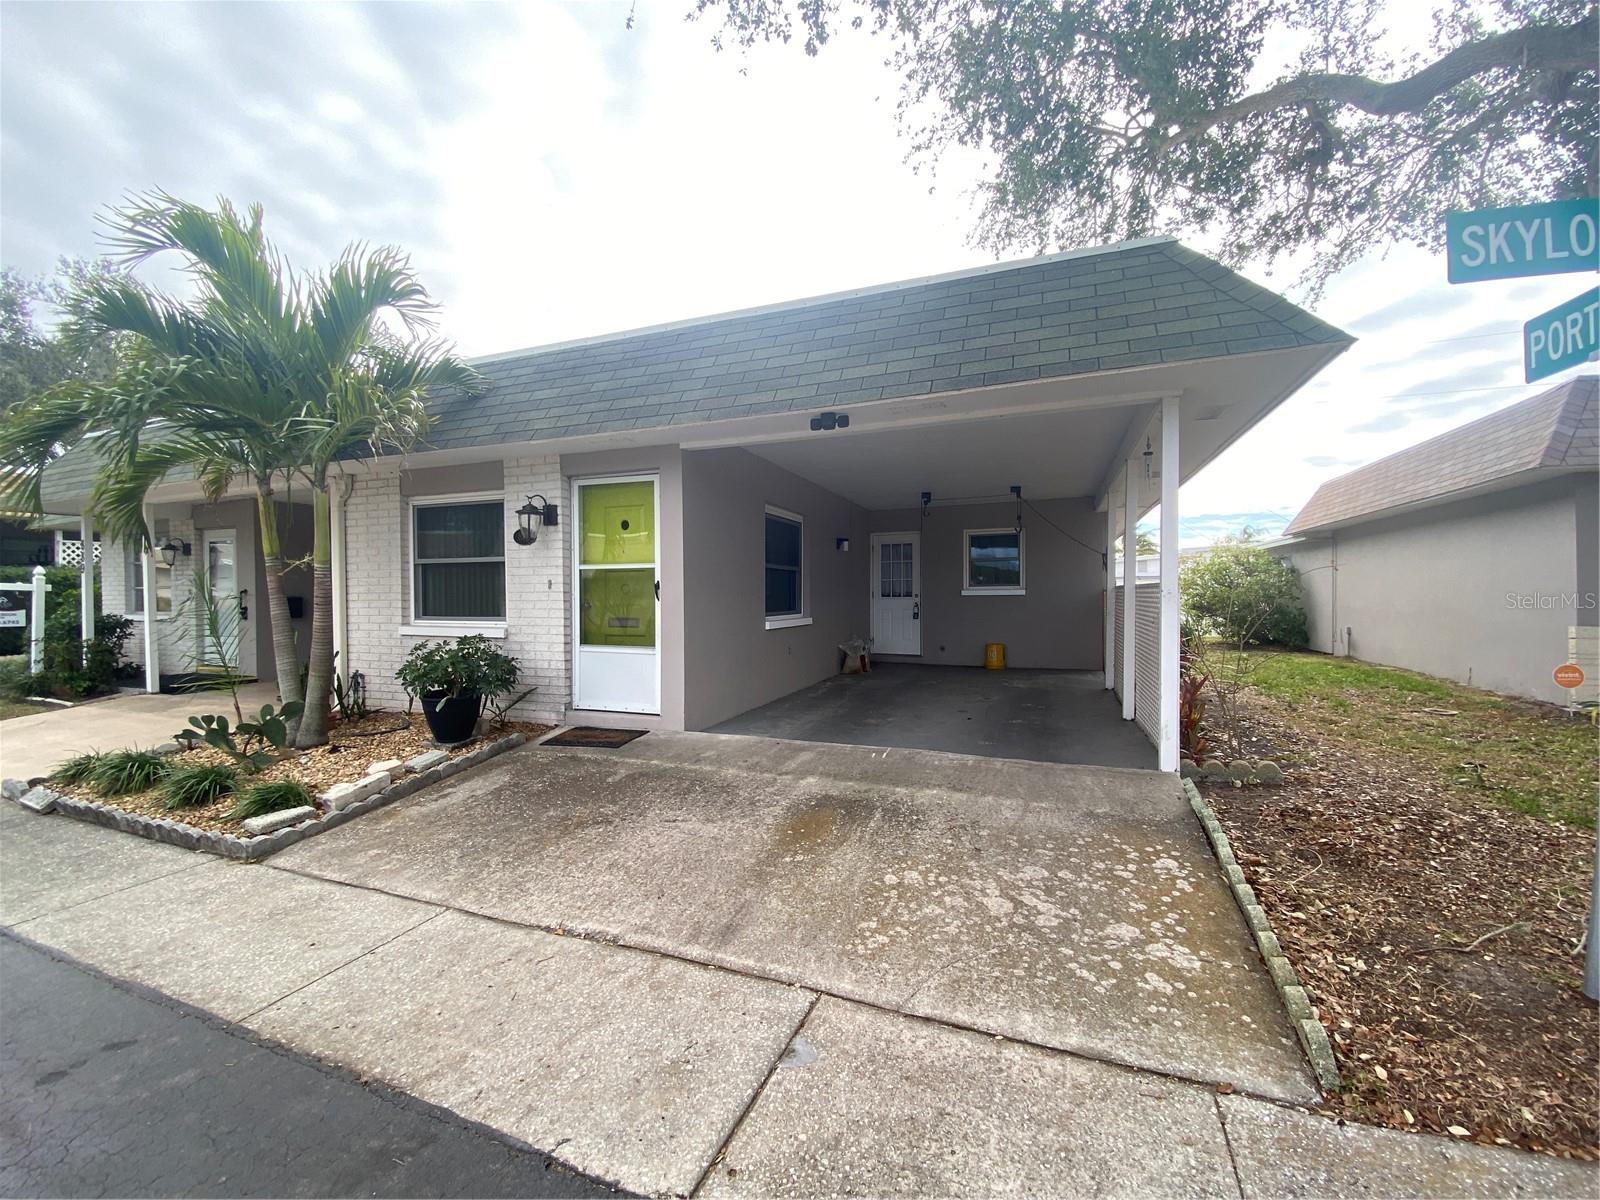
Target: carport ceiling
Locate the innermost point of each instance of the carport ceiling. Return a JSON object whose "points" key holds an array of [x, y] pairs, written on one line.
{"points": [[1050, 454]]}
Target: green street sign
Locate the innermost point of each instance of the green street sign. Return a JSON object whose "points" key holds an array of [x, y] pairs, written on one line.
{"points": [[1563, 337], [1525, 239]]}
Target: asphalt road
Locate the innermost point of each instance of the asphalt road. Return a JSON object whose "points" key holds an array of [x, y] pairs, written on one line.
{"points": [[108, 1091]]}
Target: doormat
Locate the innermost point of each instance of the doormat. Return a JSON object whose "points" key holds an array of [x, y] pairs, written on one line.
{"points": [[595, 739]]}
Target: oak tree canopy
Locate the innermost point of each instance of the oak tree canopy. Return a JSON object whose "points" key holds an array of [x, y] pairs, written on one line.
{"points": [[1272, 125]]}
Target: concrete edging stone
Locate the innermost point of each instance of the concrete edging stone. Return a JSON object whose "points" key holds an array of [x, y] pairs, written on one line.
{"points": [[1313, 1037], [253, 849]]}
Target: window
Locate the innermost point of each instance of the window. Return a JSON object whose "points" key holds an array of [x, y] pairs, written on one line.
{"points": [[785, 557], [458, 560], [135, 575], [994, 563]]}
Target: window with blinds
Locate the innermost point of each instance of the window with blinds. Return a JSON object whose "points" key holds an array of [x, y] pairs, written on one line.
{"points": [[458, 554]]}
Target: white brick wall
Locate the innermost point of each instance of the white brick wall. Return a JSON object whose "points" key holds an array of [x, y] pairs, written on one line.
{"points": [[377, 543], [176, 632]]}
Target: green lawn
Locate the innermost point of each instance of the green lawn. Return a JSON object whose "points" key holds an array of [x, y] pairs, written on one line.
{"points": [[13, 670], [1528, 757]]}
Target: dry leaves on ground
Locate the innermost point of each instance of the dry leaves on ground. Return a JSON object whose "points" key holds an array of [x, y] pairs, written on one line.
{"points": [[1435, 934], [352, 747]]}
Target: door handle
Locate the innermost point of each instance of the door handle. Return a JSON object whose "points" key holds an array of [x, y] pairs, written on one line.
{"points": [[916, 610], [658, 591]]}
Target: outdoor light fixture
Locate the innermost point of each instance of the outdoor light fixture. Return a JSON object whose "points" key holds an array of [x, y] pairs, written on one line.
{"points": [[841, 544], [170, 551], [548, 514], [830, 420]]}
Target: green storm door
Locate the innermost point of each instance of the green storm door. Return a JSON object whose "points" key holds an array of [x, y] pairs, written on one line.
{"points": [[618, 659]]}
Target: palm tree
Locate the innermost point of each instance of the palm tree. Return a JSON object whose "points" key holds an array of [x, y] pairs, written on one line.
{"points": [[266, 374]]}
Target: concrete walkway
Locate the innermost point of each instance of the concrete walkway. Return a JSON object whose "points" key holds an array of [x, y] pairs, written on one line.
{"points": [[670, 1076], [35, 745]]}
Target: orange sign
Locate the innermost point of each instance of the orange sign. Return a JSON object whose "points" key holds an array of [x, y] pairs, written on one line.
{"points": [[1569, 675]]}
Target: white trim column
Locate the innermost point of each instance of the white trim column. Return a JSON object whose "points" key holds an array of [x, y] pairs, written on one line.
{"points": [[152, 645], [86, 604], [1130, 583], [1111, 593], [1167, 745], [341, 629]]}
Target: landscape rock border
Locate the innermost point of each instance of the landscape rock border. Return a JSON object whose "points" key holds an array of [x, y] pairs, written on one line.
{"points": [[1313, 1037], [253, 849]]}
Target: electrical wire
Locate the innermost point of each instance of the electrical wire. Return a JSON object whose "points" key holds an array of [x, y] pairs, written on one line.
{"points": [[1098, 553]]}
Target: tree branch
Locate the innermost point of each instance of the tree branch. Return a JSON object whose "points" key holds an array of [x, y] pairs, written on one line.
{"points": [[1533, 49]]}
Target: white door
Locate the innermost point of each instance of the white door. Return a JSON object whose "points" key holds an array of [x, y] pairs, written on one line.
{"points": [[219, 624], [617, 594], [897, 593]]}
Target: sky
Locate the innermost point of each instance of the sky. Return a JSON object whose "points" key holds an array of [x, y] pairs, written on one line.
{"points": [[556, 174]]}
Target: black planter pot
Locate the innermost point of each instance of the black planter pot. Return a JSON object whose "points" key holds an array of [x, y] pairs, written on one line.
{"points": [[451, 719]]}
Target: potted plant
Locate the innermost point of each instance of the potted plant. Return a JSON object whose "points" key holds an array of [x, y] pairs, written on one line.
{"points": [[454, 680]]}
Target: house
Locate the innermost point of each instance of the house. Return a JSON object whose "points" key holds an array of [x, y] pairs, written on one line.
{"points": [[710, 507], [1472, 556]]}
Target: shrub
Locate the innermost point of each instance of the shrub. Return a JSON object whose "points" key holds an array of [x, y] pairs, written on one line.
{"points": [[79, 769], [191, 787], [123, 772], [272, 796], [74, 669], [1242, 594], [469, 665]]}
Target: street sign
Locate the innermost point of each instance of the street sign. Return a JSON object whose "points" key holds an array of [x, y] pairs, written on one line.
{"points": [[1563, 337], [1524, 239], [11, 620], [1569, 676]]}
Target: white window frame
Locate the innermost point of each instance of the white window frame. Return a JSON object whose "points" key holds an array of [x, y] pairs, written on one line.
{"points": [[452, 626], [134, 564], [786, 620], [968, 589]]}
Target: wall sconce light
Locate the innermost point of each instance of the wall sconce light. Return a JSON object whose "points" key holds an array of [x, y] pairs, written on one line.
{"points": [[548, 514], [169, 551], [841, 544]]}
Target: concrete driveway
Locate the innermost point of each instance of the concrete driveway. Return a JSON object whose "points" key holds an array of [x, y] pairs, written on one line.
{"points": [[36, 745], [1069, 907]]}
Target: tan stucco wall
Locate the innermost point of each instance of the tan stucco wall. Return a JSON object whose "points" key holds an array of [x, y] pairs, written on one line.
{"points": [[1057, 624], [732, 661]]}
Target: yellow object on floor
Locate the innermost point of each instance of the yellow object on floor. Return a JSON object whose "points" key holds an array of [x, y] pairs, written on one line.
{"points": [[994, 656]]}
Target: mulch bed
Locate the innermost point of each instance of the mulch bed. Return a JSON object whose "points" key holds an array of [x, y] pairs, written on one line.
{"points": [[352, 747], [1434, 933]]}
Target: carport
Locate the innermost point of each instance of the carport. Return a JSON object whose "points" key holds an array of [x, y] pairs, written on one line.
{"points": [[1035, 716]]}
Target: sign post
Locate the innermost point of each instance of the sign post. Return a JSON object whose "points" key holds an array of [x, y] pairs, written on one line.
{"points": [[33, 616]]}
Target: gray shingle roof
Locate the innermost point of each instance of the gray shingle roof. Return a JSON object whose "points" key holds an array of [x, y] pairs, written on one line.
{"points": [[1135, 304], [1557, 429], [1124, 306]]}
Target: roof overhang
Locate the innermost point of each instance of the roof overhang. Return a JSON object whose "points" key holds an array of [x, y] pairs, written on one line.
{"points": [[1504, 483]]}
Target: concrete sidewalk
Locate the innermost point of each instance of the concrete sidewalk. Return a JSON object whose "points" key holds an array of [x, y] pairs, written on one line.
{"points": [[36, 745], [672, 1077]]}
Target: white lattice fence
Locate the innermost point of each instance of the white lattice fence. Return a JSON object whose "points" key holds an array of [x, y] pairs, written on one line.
{"points": [[69, 551]]}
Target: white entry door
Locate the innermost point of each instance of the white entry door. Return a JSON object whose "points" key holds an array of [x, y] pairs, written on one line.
{"points": [[897, 593], [617, 665], [220, 642]]}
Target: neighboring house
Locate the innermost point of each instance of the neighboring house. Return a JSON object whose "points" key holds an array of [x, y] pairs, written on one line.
{"points": [[725, 500], [1472, 555]]}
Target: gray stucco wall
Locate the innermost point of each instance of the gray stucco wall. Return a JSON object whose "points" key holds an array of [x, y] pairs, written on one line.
{"points": [[1057, 624], [1313, 559], [1481, 591], [732, 662]]}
